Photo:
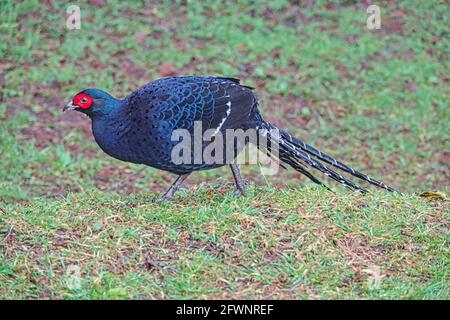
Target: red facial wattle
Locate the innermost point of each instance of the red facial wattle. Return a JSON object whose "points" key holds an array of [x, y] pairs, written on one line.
{"points": [[83, 100]]}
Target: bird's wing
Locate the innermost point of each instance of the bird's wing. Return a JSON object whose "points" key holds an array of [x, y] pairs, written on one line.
{"points": [[219, 103]]}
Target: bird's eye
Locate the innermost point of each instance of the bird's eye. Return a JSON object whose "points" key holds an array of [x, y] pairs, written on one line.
{"points": [[83, 101]]}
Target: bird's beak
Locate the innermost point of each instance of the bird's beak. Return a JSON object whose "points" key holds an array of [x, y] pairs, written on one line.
{"points": [[69, 106]]}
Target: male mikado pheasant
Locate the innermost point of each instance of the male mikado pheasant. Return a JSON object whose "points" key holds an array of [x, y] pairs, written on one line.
{"points": [[140, 127]]}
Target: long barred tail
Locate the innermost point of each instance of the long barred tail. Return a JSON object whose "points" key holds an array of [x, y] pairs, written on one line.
{"points": [[297, 154]]}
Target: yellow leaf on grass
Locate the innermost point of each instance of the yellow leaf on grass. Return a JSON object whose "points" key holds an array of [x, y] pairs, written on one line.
{"points": [[433, 195]]}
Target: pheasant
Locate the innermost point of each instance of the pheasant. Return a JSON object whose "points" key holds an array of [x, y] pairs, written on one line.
{"points": [[140, 129]]}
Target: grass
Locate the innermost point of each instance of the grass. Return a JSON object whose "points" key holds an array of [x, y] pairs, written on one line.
{"points": [[304, 243], [377, 100]]}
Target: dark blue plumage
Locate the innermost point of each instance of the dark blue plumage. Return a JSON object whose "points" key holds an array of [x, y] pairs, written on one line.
{"points": [[139, 127]]}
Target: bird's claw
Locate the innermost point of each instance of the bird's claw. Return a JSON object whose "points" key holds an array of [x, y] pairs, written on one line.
{"points": [[162, 199], [239, 193]]}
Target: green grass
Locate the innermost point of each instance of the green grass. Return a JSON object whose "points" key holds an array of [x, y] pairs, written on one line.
{"points": [[303, 243], [378, 100]]}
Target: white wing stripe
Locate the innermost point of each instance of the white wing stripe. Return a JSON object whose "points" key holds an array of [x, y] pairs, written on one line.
{"points": [[224, 118]]}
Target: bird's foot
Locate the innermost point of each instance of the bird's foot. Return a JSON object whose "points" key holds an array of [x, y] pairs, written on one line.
{"points": [[239, 193], [162, 199], [240, 188]]}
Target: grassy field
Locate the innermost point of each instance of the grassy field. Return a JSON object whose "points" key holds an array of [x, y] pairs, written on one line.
{"points": [[75, 223]]}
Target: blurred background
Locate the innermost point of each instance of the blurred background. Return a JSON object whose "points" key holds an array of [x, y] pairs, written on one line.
{"points": [[375, 99]]}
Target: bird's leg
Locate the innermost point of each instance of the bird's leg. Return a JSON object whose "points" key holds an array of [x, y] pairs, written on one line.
{"points": [[240, 183], [173, 188]]}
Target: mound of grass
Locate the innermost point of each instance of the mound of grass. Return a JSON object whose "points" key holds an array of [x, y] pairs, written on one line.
{"points": [[302, 243]]}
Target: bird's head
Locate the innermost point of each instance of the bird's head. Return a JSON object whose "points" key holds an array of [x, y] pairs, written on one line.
{"points": [[92, 102]]}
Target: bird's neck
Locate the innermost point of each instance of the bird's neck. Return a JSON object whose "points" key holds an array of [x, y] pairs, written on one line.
{"points": [[109, 110], [110, 128]]}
